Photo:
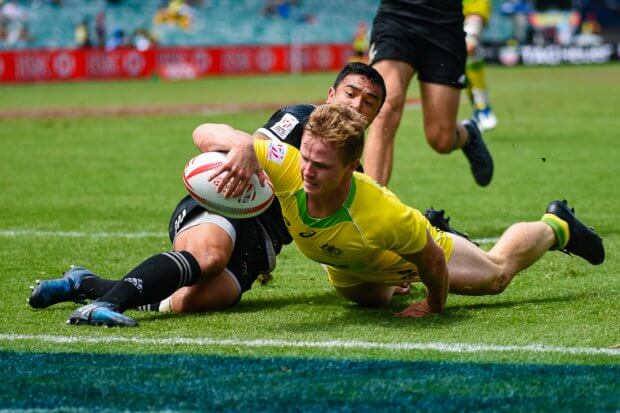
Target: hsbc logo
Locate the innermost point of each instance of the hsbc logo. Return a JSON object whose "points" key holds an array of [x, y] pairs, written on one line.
{"points": [[324, 57], [1, 66], [265, 60], [64, 65], [133, 63], [203, 61]]}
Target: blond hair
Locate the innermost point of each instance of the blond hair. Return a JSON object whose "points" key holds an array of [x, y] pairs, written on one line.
{"points": [[340, 127]]}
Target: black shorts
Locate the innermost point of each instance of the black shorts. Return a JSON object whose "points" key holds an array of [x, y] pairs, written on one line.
{"points": [[437, 52], [250, 256]]}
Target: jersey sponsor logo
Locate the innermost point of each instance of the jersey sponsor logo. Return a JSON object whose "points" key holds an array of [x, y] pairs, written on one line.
{"points": [[307, 234], [276, 152], [331, 250], [285, 125]]}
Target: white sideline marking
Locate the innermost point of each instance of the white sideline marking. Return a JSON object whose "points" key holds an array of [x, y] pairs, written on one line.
{"points": [[331, 344], [79, 234]]}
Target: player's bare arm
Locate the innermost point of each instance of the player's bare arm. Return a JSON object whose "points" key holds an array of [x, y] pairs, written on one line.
{"points": [[433, 272], [241, 160]]}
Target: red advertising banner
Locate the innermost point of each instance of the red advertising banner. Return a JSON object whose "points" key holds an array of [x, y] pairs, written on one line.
{"points": [[169, 62]]}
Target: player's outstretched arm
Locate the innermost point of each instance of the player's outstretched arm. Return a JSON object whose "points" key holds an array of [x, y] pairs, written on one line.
{"points": [[241, 160], [433, 272]]}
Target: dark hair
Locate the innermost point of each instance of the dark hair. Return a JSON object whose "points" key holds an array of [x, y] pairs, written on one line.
{"points": [[359, 68]]}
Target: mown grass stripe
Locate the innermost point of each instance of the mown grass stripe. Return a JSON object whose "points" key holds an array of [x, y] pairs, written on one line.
{"points": [[335, 344], [80, 234]]}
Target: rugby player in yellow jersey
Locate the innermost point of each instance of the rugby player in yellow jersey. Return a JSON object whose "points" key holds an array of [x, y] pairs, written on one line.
{"points": [[368, 240], [477, 14]]}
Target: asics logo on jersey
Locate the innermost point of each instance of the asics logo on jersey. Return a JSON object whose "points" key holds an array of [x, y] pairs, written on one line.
{"points": [[331, 250], [307, 234]]}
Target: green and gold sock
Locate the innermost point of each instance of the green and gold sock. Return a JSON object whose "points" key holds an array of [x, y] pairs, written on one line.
{"points": [[560, 229]]}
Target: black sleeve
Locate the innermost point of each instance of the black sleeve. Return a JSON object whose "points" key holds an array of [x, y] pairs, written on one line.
{"points": [[287, 124]]}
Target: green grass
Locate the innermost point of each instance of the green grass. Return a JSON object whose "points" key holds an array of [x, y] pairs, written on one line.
{"points": [[557, 138]]}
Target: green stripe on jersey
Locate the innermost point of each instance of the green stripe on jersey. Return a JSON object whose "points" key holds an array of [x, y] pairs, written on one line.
{"points": [[342, 215]]}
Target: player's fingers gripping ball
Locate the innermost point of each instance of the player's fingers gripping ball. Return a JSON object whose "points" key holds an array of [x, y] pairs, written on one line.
{"points": [[197, 175]]}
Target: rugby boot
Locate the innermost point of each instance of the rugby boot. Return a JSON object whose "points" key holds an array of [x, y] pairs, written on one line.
{"points": [[439, 220], [50, 292], [582, 241], [101, 313], [480, 160], [485, 118]]}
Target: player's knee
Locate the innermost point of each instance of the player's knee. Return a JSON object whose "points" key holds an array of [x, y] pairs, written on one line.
{"points": [[441, 138], [211, 260]]}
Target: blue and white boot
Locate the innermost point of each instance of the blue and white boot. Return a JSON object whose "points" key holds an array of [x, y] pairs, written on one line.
{"points": [[50, 292], [101, 313]]}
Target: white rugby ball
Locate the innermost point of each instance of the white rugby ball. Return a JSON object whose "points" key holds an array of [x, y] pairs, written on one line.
{"points": [[254, 201]]}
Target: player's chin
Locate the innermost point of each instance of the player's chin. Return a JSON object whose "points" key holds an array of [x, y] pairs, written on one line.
{"points": [[310, 188]]}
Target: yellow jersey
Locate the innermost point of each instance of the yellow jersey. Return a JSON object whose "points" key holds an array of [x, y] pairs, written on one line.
{"points": [[480, 7], [361, 242]]}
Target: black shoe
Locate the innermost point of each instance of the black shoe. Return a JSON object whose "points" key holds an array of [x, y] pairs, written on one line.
{"points": [[583, 241], [477, 154], [439, 220]]}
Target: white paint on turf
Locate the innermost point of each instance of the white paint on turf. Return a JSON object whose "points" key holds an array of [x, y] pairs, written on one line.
{"points": [[330, 344], [78, 234]]}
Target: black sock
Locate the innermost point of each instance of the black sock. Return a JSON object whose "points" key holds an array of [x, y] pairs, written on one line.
{"points": [[149, 307], [95, 287], [154, 279]]}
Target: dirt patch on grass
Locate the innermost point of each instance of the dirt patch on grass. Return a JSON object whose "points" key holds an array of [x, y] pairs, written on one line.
{"points": [[147, 110]]}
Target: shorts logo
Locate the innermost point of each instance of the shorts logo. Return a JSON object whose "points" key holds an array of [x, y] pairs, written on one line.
{"points": [[285, 125], [372, 52], [276, 152]]}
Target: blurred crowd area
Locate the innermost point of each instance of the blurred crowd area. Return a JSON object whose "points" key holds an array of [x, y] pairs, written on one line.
{"points": [[111, 24]]}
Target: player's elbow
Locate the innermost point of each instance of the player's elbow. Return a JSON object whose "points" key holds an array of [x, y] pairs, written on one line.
{"points": [[202, 136], [198, 136]]}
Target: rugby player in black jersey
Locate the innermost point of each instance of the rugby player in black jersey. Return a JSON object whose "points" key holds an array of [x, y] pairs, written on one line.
{"points": [[214, 259], [424, 37]]}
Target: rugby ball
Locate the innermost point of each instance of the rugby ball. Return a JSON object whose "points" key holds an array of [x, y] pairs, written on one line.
{"points": [[196, 177]]}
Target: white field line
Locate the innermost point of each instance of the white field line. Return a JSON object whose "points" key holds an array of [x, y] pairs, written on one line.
{"points": [[331, 344], [80, 234]]}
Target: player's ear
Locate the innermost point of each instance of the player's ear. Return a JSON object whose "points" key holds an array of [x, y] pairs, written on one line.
{"points": [[331, 92], [353, 165]]}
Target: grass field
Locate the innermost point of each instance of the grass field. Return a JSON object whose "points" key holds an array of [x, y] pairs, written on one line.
{"points": [[98, 190]]}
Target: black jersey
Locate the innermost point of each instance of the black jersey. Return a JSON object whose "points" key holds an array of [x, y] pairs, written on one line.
{"points": [[439, 12], [287, 124]]}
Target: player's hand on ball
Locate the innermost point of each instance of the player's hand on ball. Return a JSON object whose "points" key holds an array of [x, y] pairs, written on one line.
{"points": [[241, 163]]}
